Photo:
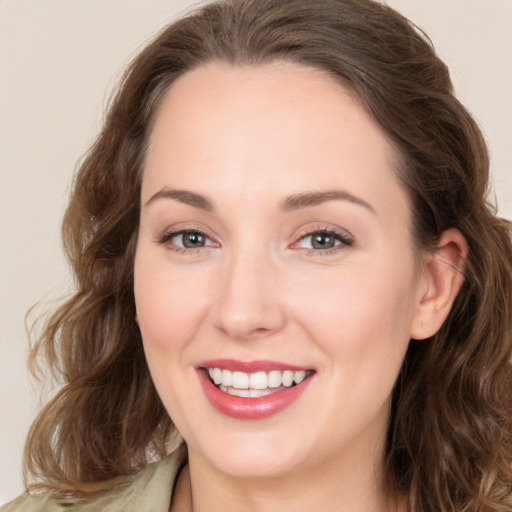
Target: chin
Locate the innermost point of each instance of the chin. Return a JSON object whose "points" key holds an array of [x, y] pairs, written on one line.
{"points": [[257, 456]]}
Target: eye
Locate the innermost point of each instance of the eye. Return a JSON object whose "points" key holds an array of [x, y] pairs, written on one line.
{"points": [[186, 239], [190, 239], [319, 240]]}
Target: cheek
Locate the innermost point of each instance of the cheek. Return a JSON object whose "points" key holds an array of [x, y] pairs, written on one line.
{"points": [[168, 306], [362, 314], [168, 314]]}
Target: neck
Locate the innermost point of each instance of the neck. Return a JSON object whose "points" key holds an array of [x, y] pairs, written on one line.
{"points": [[353, 486]]}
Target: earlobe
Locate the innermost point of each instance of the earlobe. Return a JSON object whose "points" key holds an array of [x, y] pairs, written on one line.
{"points": [[443, 276]]}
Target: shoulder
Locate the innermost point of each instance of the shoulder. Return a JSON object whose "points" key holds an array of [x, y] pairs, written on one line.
{"points": [[149, 490], [27, 503]]}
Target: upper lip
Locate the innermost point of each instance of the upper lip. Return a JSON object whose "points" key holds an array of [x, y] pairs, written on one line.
{"points": [[250, 366]]}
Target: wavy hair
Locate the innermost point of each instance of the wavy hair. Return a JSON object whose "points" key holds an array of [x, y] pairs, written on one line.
{"points": [[449, 444]]}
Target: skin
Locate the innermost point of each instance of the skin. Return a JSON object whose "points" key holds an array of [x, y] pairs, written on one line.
{"points": [[246, 139]]}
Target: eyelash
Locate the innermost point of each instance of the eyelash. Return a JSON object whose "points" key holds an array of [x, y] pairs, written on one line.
{"points": [[166, 237], [345, 240]]}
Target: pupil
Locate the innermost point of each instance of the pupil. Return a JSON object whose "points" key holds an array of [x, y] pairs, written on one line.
{"points": [[191, 239], [323, 241]]}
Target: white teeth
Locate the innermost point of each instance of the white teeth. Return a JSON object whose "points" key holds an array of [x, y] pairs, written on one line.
{"points": [[217, 375], [245, 393], [287, 378], [274, 379], [258, 380], [299, 376], [240, 380], [254, 384], [256, 393], [227, 378]]}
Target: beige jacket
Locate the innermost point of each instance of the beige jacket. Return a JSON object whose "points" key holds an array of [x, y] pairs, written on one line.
{"points": [[150, 490]]}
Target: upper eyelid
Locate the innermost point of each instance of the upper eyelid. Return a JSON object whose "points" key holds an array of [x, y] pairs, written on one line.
{"points": [[184, 226], [342, 233]]}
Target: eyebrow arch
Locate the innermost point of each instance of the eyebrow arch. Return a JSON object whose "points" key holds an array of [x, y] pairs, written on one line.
{"points": [[306, 199], [183, 196]]}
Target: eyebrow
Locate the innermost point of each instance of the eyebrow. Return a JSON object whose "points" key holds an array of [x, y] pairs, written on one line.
{"points": [[183, 196], [307, 199], [290, 203]]}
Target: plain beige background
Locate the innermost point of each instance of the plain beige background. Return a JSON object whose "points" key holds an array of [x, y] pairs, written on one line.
{"points": [[58, 61]]}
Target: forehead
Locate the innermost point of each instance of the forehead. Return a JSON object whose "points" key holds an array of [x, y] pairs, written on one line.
{"points": [[246, 125]]}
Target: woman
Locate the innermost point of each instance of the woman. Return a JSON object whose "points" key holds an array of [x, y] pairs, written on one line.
{"points": [[283, 251]]}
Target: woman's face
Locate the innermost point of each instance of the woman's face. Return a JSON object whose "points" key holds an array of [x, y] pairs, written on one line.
{"points": [[274, 247]]}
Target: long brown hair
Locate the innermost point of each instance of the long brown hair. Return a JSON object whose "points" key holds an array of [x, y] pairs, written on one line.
{"points": [[449, 444]]}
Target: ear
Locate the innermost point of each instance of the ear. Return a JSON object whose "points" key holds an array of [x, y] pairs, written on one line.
{"points": [[441, 281]]}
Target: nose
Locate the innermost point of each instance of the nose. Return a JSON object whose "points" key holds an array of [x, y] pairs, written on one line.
{"points": [[249, 303]]}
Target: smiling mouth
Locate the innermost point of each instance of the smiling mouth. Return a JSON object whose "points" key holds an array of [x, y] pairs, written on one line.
{"points": [[257, 384]]}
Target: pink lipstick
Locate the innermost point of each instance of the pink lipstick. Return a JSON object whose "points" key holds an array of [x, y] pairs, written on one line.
{"points": [[252, 389]]}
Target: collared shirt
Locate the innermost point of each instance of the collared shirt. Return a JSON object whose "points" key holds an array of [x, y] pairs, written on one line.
{"points": [[149, 490]]}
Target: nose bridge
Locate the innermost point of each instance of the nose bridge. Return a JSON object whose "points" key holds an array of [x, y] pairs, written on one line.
{"points": [[248, 303]]}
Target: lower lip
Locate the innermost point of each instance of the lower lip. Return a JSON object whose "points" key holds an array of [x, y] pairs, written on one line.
{"points": [[251, 408]]}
